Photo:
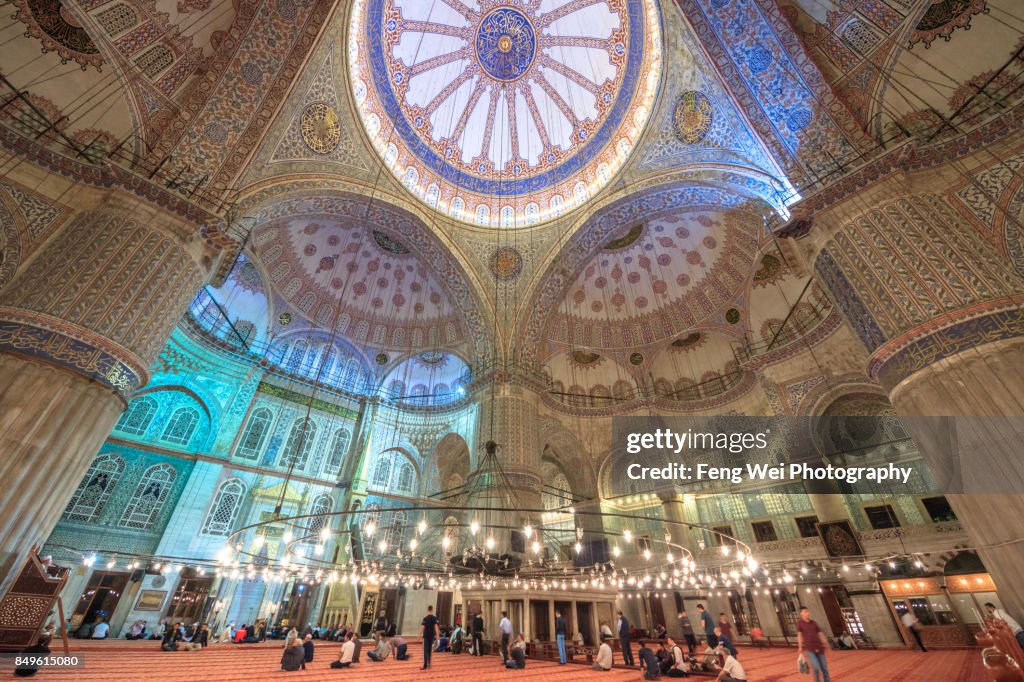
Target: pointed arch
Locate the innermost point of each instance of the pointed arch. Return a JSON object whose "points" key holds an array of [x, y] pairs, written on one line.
{"points": [[227, 503], [149, 497], [255, 435], [321, 506], [181, 426], [339, 448], [300, 443], [137, 418], [382, 472], [94, 491]]}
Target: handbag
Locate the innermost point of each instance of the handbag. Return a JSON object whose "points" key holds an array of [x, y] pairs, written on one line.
{"points": [[802, 666]]}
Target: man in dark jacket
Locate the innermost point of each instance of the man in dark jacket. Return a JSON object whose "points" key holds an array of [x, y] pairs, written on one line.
{"points": [[381, 624], [708, 626], [560, 627], [478, 635], [627, 650], [307, 645]]}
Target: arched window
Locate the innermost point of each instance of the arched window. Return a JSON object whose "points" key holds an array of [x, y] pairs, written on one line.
{"points": [[226, 505], [321, 505], [395, 532], [298, 355], [137, 417], [93, 492], [300, 442], [406, 477], [339, 447], [382, 473], [149, 497], [255, 434], [372, 515], [181, 426]]}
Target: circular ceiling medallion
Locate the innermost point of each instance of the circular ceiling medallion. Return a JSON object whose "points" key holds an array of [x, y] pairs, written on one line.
{"points": [[693, 117], [636, 358], [504, 112], [321, 129], [732, 315], [505, 44], [284, 319], [381, 358], [506, 263]]}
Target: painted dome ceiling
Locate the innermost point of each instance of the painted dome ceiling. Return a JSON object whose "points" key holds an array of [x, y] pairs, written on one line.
{"points": [[504, 112], [657, 278], [360, 281]]}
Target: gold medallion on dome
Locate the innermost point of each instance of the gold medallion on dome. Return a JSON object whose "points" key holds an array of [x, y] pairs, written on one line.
{"points": [[693, 117], [321, 129]]}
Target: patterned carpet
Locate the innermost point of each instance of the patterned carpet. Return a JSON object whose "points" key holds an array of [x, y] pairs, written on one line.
{"points": [[112, 661]]}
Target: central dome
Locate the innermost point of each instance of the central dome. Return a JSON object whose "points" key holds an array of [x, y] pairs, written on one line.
{"points": [[504, 112]]}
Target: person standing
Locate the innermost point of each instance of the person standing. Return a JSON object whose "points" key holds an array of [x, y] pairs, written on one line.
{"points": [[478, 635], [1002, 615], [505, 626], [707, 624], [429, 631], [912, 624], [627, 649], [560, 629], [687, 627], [724, 625], [811, 640]]}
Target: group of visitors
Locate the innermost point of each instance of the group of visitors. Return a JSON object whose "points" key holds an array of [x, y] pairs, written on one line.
{"points": [[185, 637]]}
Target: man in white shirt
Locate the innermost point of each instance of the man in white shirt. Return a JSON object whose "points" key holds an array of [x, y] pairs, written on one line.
{"points": [[348, 650], [910, 622], [732, 671], [505, 627], [1014, 626], [606, 632], [100, 630], [604, 657]]}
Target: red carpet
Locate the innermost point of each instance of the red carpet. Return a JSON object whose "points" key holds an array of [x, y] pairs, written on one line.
{"points": [[112, 661]]}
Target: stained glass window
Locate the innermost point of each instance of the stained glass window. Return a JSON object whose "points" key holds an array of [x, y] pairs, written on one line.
{"points": [[181, 426], [255, 434], [395, 532], [137, 417], [339, 447], [93, 492], [149, 497], [382, 473], [300, 442], [321, 505], [406, 476], [226, 505], [298, 355]]}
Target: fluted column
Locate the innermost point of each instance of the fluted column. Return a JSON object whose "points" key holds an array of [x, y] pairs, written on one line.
{"points": [[939, 311], [80, 325], [510, 418]]}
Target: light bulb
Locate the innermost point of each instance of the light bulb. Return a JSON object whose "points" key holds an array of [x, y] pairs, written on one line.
{"points": [[422, 526], [370, 529], [578, 548], [287, 537], [490, 542], [536, 547], [627, 535], [445, 541], [615, 550], [528, 531], [257, 542], [474, 527], [412, 544]]}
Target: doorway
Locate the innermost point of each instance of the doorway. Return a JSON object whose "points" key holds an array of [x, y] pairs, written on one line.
{"points": [[565, 607], [539, 620], [99, 599], [584, 616], [189, 600]]}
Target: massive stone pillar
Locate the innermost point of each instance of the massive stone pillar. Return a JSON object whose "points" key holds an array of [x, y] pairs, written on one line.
{"points": [[675, 511], [940, 313], [509, 418], [80, 325]]}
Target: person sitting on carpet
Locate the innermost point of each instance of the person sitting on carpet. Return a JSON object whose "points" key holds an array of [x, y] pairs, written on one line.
{"points": [[41, 648], [239, 635], [517, 654], [649, 663], [294, 657], [732, 671], [442, 642], [307, 647], [400, 648], [172, 635], [678, 665], [382, 650], [660, 632], [136, 631], [846, 641], [347, 652], [603, 662], [456, 640], [710, 662]]}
